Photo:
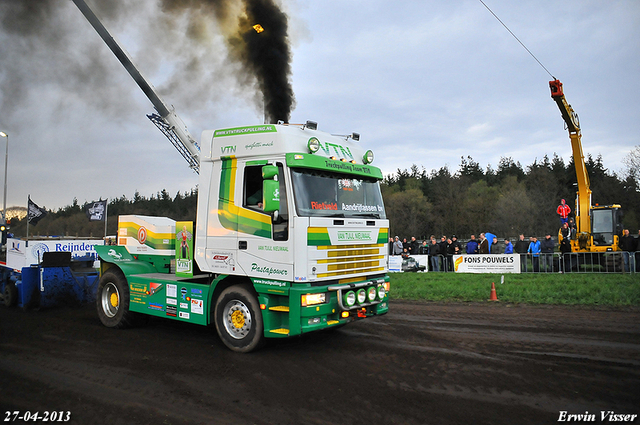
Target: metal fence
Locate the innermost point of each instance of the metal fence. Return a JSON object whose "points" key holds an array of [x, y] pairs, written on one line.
{"points": [[573, 262], [591, 262]]}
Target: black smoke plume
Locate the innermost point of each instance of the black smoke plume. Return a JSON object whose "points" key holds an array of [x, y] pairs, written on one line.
{"points": [[268, 57], [265, 55]]}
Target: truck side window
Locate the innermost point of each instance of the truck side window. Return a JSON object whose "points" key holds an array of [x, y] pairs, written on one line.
{"points": [[252, 197], [281, 226]]}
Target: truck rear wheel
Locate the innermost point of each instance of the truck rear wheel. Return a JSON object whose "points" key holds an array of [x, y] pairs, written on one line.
{"points": [[113, 301], [10, 294], [238, 319]]}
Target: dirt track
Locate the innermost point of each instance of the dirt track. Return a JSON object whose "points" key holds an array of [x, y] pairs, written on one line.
{"points": [[420, 364]]}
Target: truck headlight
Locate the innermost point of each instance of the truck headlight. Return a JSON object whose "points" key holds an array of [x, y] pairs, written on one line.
{"points": [[350, 298], [362, 295], [313, 145], [381, 292], [313, 299], [371, 293], [367, 158]]}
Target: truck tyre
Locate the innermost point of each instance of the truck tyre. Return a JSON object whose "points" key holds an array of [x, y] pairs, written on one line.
{"points": [[113, 301], [238, 319], [10, 294]]}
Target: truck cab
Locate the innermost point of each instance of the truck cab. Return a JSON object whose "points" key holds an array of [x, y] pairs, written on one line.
{"points": [[327, 197]]}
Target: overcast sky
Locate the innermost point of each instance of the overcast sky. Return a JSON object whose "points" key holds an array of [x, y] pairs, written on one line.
{"points": [[423, 82]]}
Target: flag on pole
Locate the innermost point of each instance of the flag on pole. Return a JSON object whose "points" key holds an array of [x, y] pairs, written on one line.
{"points": [[34, 212], [96, 211]]}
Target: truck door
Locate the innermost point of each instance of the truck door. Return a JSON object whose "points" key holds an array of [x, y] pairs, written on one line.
{"points": [[221, 226], [264, 246]]}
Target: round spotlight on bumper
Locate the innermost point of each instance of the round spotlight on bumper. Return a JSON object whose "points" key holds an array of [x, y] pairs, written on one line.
{"points": [[371, 293], [362, 296], [350, 298], [381, 292]]}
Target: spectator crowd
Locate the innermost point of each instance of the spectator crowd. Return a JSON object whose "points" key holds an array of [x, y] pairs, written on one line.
{"points": [[540, 252]]}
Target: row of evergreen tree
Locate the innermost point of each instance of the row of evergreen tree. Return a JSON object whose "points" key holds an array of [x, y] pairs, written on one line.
{"points": [[507, 201], [72, 221]]}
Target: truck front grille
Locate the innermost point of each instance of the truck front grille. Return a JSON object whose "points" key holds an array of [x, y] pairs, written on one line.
{"points": [[341, 260]]}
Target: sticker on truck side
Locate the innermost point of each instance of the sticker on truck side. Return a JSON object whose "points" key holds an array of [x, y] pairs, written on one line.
{"points": [[222, 261]]}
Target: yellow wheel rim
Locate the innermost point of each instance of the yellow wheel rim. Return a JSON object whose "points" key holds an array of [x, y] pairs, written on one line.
{"points": [[237, 318], [110, 299], [114, 299]]}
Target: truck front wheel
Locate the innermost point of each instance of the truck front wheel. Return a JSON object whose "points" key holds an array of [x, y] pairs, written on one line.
{"points": [[238, 319], [113, 300]]}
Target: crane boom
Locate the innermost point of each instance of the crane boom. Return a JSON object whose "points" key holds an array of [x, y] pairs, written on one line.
{"points": [[598, 226], [583, 203], [166, 120]]}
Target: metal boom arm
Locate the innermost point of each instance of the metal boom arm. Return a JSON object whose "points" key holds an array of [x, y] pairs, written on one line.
{"points": [[167, 120]]}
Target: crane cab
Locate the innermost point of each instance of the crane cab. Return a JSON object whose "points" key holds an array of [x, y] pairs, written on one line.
{"points": [[606, 226]]}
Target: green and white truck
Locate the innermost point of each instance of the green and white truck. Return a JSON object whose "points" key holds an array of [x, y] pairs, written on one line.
{"points": [[290, 236]]}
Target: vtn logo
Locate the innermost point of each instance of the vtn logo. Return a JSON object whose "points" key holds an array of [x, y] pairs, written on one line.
{"points": [[228, 149], [335, 149]]}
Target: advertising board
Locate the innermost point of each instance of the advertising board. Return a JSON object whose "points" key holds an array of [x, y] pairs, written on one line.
{"points": [[489, 263], [395, 263], [22, 254]]}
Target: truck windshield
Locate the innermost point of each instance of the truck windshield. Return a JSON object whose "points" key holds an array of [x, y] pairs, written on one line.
{"points": [[325, 194]]}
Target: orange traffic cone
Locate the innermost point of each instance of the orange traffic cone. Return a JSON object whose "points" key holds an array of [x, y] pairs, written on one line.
{"points": [[494, 296]]}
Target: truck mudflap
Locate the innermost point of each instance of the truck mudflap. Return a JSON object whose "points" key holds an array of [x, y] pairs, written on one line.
{"points": [[304, 309]]}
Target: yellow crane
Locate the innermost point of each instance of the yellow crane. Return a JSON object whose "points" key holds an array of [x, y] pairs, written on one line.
{"points": [[598, 227]]}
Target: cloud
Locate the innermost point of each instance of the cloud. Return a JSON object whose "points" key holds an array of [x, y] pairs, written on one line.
{"points": [[422, 82]]}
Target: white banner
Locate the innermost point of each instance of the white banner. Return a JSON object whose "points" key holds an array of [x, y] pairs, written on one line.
{"points": [[487, 263], [20, 255], [395, 263], [423, 260]]}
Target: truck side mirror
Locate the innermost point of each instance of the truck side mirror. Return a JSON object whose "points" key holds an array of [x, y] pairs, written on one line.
{"points": [[269, 172], [270, 189]]}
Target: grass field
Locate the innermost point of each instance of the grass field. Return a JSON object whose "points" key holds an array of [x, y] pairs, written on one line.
{"points": [[571, 289]]}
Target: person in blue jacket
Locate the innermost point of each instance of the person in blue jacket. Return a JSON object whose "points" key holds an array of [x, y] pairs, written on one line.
{"points": [[508, 247], [534, 250], [472, 245]]}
